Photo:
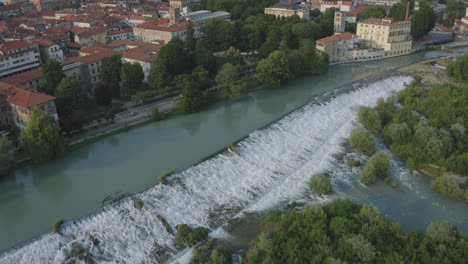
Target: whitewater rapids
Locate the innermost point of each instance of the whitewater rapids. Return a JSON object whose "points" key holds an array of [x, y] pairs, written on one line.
{"points": [[273, 166]]}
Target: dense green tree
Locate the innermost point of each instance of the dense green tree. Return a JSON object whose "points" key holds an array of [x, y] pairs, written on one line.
{"points": [[273, 71], [52, 74], [289, 40], [422, 21], [103, 94], [41, 137], [68, 96], [159, 77], [370, 119], [221, 256], [227, 74], [190, 41], [234, 56], [110, 73], [219, 34], [374, 12], [448, 186], [271, 44], [459, 69], [172, 60], [309, 31], [131, 76], [326, 22], [397, 11], [6, 156], [192, 100], [200, 74], [362, 141], [321, 183], [397, 133], [377, 166]]}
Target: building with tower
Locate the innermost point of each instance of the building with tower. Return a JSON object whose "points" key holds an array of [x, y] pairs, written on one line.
{"points": [[340, 22]]}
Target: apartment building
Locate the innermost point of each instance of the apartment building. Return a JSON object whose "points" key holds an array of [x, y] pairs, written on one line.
{"points": [[16, 104], [18, 56], [49, 50], [287, 8], [393, 36]]}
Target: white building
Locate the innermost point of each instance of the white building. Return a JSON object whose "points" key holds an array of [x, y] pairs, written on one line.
{"points": [[18, 56], [49, 50], [200, 17], [343, 6]]}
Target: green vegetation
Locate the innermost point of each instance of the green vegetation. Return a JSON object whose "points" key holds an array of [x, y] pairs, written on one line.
{"points": [[211, 252], [132, 76], [41, 137], [6, 156], [374, 12], [377, 166], [398, 11], [422, 21], [370, 119], [68, 103], [51, 76], [428, 132], [221, 256], [354, 163], [163, 176], [191, 236], [110, 73], [454, 10], [362, 141], [459, 69], [156, 115], [321, 183], [234, 149], [138, 203], [57, 224], [345, 232], [166, 225]]}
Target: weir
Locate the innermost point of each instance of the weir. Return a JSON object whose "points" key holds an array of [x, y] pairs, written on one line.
{"points": [[273, 167]]}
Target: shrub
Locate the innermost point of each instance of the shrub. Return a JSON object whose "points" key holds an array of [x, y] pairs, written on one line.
{"points": [[234, 149], [163, 176], [397, 133], [221, 256], [354, 163], [377, 166], [448, 186], [191, 236], [57, 224], [321, 183], [362, 141], [156, 115], [370, 119], [138, 203], [165, 224]]}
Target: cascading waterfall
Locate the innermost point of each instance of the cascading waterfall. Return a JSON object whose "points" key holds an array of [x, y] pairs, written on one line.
{"points": [[273, 167]]}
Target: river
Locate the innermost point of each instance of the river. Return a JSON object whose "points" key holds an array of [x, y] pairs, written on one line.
{"points": [[34, 197]]}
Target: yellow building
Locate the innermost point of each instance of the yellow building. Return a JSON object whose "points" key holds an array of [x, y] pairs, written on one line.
{"points": [[393, 36], [178, 4]]}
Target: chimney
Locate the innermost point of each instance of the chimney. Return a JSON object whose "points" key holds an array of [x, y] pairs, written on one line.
{"points": [[174, 15], [407, 11]]}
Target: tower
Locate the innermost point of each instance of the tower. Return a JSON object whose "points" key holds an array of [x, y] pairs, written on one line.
{"points": [[174, 15], [339, 23]]}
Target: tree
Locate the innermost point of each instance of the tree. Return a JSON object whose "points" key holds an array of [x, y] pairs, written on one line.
{"points": [[397, 133], [448, 187], [219, 34], [156, 115], [459, 69], [172, 60], [326, 21], [397, 12], [362, 251], [110, 73], [377, 166], [234, 56], [41, 137], [192, 99], [273, 71], [51, 76], [422, 21], [374, 12], [159, 77], [190, 40], [6, 156], [227, 74], [362, 141], [221, 256], [321, 183], [68, 96], [200, 74], [132, 76], [370, 119], [103, 94]]}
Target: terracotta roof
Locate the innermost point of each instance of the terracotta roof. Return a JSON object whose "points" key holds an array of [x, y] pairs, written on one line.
{"points": [[43, 42], [117, 32], [94, 49], [12, 45], [92, 58], [444, 28], [164, 25], [91, 32], [24, 77], [341, 36], [25, 98], [131, 55]]}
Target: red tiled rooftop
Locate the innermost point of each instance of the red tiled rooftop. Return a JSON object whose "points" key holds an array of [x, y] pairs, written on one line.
{"points": [[164, 25], [341, 36], [25, 98], [12, 45], [23, 77]]}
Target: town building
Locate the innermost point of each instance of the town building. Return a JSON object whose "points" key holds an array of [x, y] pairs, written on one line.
{"points": [[18, 56], [16, 104], [200, 17], [393, 36], [343, 6], [91, 37], [287, 8], [163, 30], [30, 79], [339, 22], [124, 34], [49, 50]]}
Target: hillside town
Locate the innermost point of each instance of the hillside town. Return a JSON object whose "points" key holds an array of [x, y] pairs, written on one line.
{"points": [[43, 39]]}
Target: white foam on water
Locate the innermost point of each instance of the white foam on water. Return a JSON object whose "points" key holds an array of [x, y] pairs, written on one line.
{"points": [[274, 166]]}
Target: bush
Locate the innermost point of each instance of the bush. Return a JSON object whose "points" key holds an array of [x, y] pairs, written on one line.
{"points": [[57, 224], [156, 115], [165, 224], [191, 236], [163, 176], [354, 163], [370, 119], [321, 183], [448, 186], [138, 203], [377, 166], [362, 141], [221, 256]]}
